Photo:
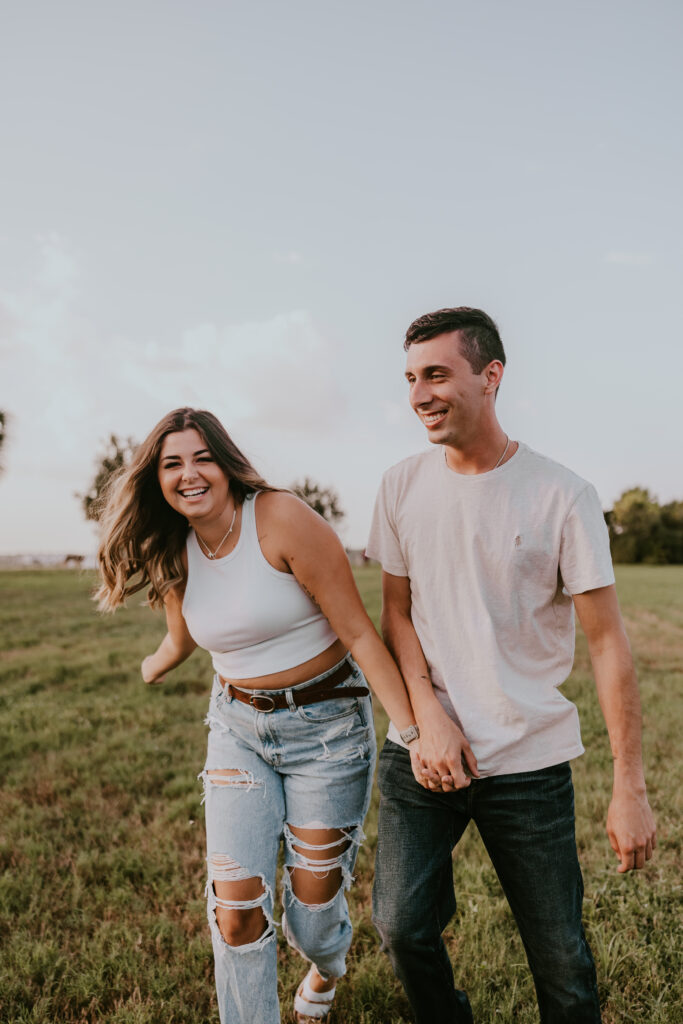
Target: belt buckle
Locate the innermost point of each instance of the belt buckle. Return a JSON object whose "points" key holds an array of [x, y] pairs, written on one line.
{"points": [[260, 697]]}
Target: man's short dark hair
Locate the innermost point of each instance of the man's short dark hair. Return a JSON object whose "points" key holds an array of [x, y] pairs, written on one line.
{"points": [[479, 338]]}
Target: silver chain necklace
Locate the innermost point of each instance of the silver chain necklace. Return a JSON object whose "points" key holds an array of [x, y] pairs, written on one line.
{"points": [[505, 451], [209, 552]]}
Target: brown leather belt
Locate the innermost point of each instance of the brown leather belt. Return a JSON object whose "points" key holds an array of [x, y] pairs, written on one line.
{"points": [[324, 690]]}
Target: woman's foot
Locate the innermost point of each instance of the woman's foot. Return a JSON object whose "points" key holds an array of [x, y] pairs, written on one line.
{"points": [[314, 997]]}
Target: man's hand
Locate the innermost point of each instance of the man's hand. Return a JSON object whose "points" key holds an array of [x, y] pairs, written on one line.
{"points": [[630, 824], [631, 829], [448, 762]]}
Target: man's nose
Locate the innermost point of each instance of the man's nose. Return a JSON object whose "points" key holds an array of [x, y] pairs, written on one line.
{"points": [[420, 393]]}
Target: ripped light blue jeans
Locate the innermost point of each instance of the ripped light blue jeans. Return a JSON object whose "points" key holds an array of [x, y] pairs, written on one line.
{"points": [[308, 767]]}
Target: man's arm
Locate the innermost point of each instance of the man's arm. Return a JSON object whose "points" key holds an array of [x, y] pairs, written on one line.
{"points": [[630, 823], [443, 746]]}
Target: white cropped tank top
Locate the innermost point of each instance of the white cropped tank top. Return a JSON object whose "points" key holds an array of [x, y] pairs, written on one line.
{"points": [[253, 619]]}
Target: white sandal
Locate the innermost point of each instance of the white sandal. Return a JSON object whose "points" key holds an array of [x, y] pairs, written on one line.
{"points": [[309, 1004]]}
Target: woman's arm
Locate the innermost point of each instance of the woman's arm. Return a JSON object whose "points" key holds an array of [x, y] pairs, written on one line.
{"points": [[294, 537], [176, 646], [444, 748]]}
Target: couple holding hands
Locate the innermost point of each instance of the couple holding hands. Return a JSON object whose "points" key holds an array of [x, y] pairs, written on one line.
{"points": [[486, 547]]}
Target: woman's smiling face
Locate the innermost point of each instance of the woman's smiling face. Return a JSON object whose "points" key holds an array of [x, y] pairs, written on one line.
{"points": [[190, 479]]}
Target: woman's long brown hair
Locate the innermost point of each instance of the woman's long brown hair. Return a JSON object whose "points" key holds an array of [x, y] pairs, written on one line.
{"points": [[142, 537]]}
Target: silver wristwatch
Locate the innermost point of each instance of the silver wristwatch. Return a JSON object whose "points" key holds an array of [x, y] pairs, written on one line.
{"points": [[410, 734]]}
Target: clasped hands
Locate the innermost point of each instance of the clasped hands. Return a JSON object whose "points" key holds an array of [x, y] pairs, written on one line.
{"points": [[442, 760]]}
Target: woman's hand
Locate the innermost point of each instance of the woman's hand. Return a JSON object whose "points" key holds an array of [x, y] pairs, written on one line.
{"points": [[449, 761], [417, 764], [176, 646], [148, 673]]}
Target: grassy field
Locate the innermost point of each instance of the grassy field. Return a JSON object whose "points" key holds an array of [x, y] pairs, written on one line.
{"points": [[102, 915]]}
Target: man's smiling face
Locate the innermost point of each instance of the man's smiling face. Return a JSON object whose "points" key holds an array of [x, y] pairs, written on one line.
{"points": [[444, 392]]}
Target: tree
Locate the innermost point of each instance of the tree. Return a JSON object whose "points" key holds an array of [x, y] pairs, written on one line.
{"points": [[635, 527], [116, 455], [643, 531], [672, 532], [323, 500]]}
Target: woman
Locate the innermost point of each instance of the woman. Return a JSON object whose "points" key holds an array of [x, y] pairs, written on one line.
{"points": [[256, 577]]}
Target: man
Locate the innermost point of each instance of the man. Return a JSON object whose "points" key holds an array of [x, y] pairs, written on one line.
{"points": [[485, 546]]}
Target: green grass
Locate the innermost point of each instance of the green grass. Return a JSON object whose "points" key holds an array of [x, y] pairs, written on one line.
{"points": [[102, 915]]}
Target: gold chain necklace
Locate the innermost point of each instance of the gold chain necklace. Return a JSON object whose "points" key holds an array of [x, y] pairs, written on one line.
{"points": [[505, 451]]}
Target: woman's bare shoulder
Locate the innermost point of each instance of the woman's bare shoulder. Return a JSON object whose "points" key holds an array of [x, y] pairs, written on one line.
{"points": [[288, 528], [284, 508]]}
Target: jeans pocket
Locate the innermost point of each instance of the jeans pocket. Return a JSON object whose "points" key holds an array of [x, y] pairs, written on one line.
{"points": [[329, 710]]}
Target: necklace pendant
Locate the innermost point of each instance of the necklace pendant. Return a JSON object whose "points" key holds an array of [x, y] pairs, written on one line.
{"points": [[212, 554]]}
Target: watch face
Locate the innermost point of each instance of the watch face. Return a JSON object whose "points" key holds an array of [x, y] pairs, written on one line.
{"points": [[411, 733]]}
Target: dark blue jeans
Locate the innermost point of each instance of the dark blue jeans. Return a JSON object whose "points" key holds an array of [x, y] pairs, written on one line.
{"points": [[526, 822]]}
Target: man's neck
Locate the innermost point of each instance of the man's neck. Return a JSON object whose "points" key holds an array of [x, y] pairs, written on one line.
{"points": [[481, 454]]}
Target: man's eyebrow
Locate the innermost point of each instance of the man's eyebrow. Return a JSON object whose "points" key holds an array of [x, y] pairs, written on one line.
{"points": [[428, 369]]}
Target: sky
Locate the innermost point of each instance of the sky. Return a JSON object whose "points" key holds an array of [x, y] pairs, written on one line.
{"points": [[241, 206]]}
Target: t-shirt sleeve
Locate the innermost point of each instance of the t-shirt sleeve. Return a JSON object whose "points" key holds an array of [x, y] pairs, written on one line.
{"points": [[383, 543], [585, 559]]}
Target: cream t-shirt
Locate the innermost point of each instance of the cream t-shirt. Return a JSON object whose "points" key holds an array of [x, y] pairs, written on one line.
{"points": [[492, 560]]}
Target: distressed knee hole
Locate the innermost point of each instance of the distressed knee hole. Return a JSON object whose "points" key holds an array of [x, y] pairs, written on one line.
{"points": [[318, 844], [241, 927], [312, 889], [236, 902], [319, 870]]}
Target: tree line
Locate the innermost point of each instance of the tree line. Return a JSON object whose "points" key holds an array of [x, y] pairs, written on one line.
{"points": [[640, 529], [643, 531]]}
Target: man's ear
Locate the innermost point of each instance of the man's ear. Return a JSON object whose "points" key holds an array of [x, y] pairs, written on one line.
{"points": [[492, 374]]}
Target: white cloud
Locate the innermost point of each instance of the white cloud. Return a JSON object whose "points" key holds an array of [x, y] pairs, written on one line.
{"points": [[71, 382], [40, 372], [68, 384], [276, 373], [627, 258]]}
